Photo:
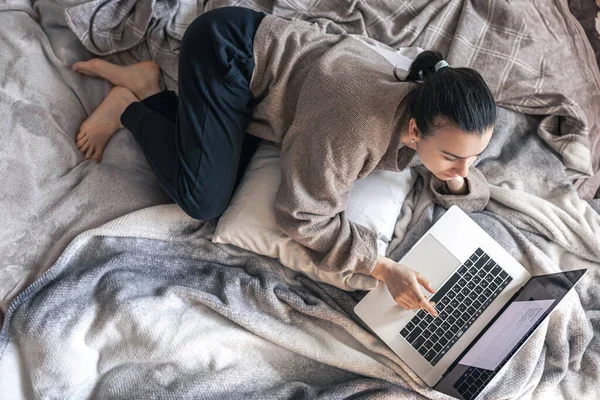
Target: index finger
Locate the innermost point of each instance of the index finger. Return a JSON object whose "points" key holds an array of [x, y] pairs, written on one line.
{"points": [[427, 306], [422, 301]]}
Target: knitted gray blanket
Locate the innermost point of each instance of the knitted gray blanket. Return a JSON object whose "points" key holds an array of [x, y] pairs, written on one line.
{"points": [[147, 307]]}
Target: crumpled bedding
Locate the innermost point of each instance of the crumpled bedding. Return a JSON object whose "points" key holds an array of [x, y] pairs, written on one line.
{"points": [[146, 306]]}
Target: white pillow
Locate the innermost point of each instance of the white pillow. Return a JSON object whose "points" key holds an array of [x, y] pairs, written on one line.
{"points": [[249, 221]]}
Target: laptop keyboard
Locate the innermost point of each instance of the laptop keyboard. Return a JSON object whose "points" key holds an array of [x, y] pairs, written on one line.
{"points": [[459, 302]]}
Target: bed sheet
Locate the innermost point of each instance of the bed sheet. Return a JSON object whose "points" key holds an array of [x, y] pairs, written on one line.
{"points": [[146, 306]]}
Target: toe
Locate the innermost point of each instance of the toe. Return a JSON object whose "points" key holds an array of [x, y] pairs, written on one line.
{"points": [[81, 141], [89, 152], [84, 147], [97, 156]]}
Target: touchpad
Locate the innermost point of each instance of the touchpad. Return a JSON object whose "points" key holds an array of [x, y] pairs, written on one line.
{"points": [[431, 260]]}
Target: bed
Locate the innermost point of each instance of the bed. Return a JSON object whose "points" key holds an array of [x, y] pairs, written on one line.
{"points": [[108, 290]]}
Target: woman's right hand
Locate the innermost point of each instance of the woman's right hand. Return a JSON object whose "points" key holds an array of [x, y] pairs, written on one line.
{"points": [[403, 284]]}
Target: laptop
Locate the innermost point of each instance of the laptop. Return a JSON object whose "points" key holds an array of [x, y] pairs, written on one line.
{"points": [[488, 305]]}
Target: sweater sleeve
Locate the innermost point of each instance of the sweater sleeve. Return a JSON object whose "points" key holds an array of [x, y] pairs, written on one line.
{"points": [[475, 199], [310, 206]]}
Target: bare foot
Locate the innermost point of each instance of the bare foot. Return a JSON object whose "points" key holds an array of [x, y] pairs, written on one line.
{"points": [[103, 123], [141, 78]]}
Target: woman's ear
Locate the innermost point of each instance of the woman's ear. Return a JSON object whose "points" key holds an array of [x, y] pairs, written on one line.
{"points": [[413, 131]]}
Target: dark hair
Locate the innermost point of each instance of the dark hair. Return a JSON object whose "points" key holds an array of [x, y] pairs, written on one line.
{"points": [[459, 94]]}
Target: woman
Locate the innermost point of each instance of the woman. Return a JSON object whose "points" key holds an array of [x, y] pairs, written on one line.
{"points": [[332, 103]]}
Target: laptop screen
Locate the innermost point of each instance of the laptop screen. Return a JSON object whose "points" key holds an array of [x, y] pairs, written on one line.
{"points": [[505, 334]]}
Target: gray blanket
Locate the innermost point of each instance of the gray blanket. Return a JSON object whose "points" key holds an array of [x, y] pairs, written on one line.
{"points": [[147, 307]]}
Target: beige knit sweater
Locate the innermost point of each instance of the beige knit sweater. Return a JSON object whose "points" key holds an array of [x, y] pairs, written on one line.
{"points": [[337, 110]]}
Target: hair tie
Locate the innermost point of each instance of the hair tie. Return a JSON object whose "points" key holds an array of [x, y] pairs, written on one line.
{"points": [[440, 65]]}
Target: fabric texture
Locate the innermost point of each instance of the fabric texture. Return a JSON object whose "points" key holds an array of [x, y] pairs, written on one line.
{"points": [[148, 307], [249, 221]]}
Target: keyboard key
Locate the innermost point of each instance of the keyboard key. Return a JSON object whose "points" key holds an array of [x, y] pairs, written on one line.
{"points": [[484, 283], [430, 355], [481, 273], [410, 326], [488, 266], [471, 285], [460, 297], [418, 342], [421, 314], [413, 335], [479, 252], [487, 292], [454, 329], [489, 278], [476, 279], [441, 292], [462, 270], [451, 319], [503, 275], [443, 341], [404, 332], [482, 261], [471, 310], [423, 350], [434, 337], [461, 282], [478, 289]]}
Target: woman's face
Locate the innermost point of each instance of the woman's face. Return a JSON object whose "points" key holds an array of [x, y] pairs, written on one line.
{"points": [[449, 152]]}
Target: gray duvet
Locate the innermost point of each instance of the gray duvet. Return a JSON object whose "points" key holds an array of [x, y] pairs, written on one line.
{"points": [[145, 306]]}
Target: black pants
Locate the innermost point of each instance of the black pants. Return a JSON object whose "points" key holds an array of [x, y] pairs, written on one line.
{"points": [[197, 144]]}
